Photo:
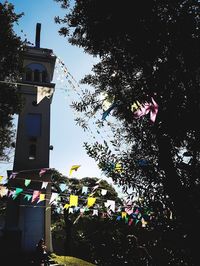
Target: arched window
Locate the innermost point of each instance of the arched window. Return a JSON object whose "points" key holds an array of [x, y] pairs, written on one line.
{"points": [[28, 74], [44, 76], [36, 72], [37, 75]]}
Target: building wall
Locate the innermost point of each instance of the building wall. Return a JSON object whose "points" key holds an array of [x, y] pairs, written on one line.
{"points": [[24, 140], [26, 222]]}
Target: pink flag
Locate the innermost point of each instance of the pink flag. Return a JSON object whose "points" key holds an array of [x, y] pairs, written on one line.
{"points": [[13, 175], [42, 171], [146, 108], [36, 195]]}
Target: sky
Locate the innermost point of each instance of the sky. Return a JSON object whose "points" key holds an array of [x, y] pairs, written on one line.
{"points": [[66, 137]]}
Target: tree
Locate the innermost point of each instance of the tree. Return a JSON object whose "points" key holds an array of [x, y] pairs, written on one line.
{"points": [[75, 230], [147, 50], [11, 48]]}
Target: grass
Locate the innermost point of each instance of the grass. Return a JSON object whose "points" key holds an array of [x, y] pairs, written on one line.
{"points": [[70, 261]]}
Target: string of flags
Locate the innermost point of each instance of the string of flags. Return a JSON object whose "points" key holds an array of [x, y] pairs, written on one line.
{"points": [[129, 214], [85, 203], [37, 196]]}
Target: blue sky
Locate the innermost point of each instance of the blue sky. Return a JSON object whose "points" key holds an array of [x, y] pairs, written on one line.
{"points": [[66, 137]]}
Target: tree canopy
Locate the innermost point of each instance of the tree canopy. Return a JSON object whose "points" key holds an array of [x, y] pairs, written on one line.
{"points": [[148, 56], [11, 48]]}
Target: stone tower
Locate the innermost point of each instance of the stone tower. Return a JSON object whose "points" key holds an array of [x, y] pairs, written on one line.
{"points": [[27, 221]]}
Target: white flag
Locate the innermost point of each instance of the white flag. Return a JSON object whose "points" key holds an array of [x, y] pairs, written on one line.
{"points": [[44, 184], [54, 197], [110, 204], [44, 92]]}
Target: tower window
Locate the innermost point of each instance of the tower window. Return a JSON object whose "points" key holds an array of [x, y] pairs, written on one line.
{"points": [[33, 124], [44, 76], [28, 74], [36, 75], [32, 152], [36, 72]]}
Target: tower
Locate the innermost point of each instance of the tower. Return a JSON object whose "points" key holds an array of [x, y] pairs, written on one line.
{"points": [[26, 221]]}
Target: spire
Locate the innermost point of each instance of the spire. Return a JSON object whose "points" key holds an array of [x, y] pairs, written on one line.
{"points": [[37, 35]]}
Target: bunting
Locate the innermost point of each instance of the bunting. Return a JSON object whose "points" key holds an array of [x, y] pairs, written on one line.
{"points": [[73, 200], [91, 202], [43, 92], [36, 195], [27, 182]]}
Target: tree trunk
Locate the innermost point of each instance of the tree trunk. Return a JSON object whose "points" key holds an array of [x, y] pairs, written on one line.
{"points": [[188, 215]]}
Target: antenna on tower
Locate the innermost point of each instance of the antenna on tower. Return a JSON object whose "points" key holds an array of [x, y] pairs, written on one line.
{"points": [[37, 35]]}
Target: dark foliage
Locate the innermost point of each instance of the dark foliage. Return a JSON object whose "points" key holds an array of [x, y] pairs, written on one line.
{"points": [[11, 48], [147, 49]]}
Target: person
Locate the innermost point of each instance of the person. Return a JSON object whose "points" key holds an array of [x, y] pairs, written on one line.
{"points": [[41, 253]]}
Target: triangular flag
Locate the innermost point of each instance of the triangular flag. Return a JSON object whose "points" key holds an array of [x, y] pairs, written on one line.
{"points": [[42, 197], [118, 218], [73, 200], [118, 167], [110, 204], [11, 193], [27, 182], [129, 210], [17, 192], [126, 219], [35, 196], [95, 212], [73, 168], [103, 192], [42, 171], [76, 209], [91, 202], [107, 112], [54, 196], [3, 191], [44, 185], [66, 206], [135, 106], [13, 175], [44, 92], [137, 221], [63, 187], [28, 197], [3, 180], [124, 215], [84, 190], [130, 222], [71, 210]]}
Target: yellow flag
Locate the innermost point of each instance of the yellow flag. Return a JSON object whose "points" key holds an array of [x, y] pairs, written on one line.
{"points": [[66, 206], [42, 197], [135, 106], [73, 200], [1, 177], [118, 167], [73, 168], [91, 202], [124, 215]]}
